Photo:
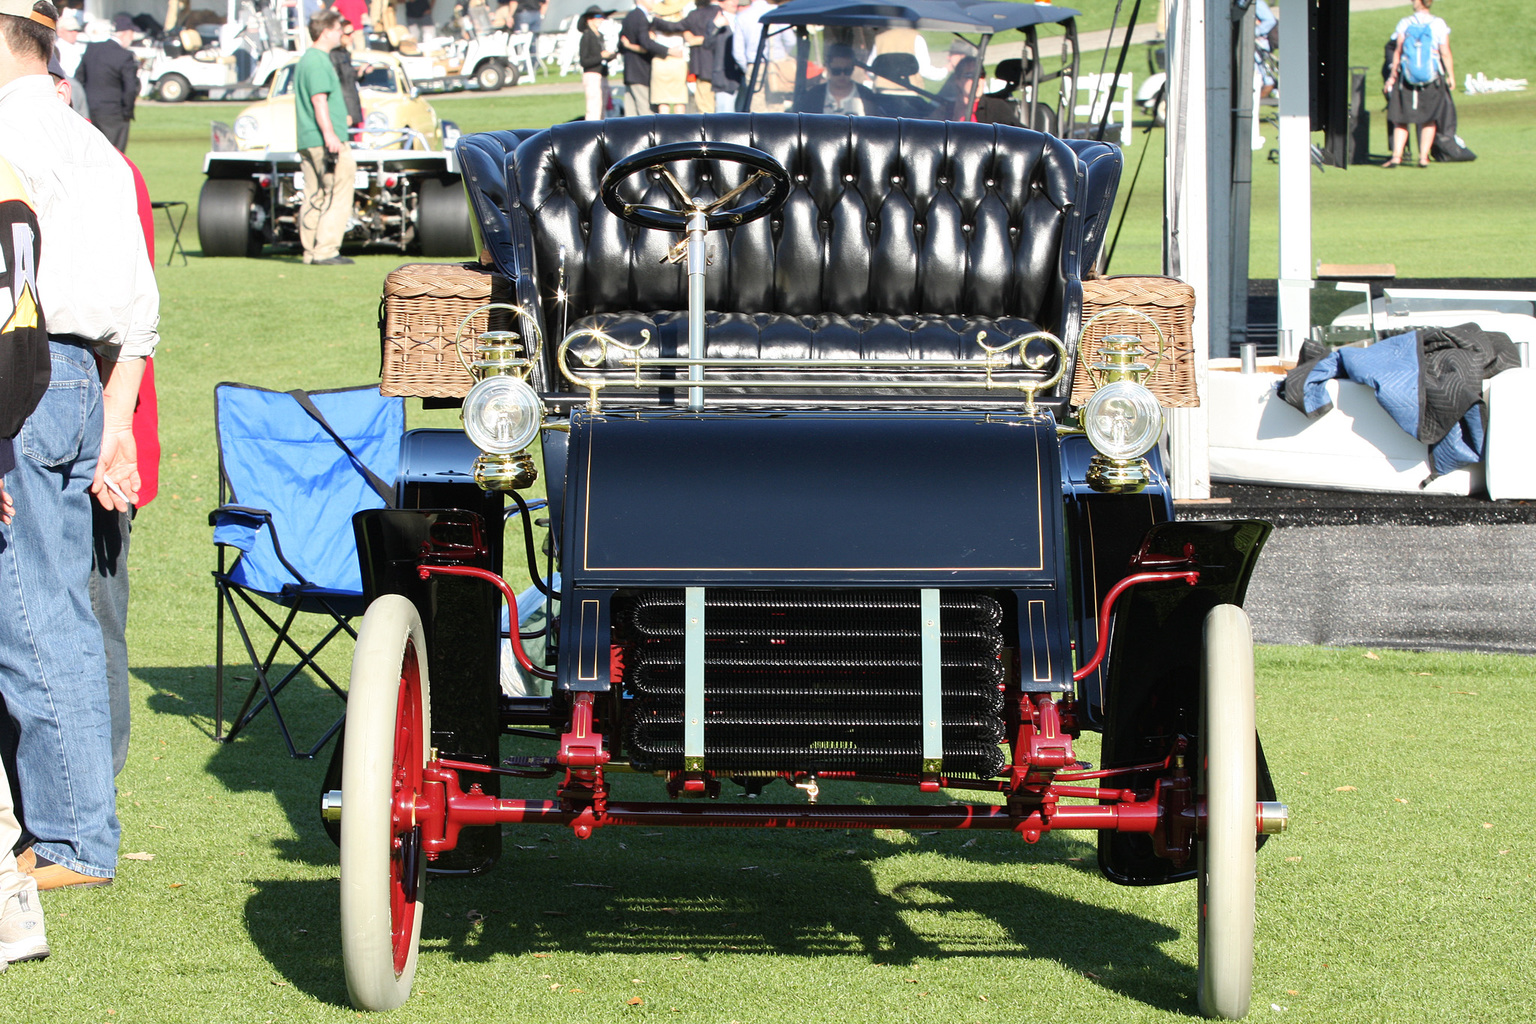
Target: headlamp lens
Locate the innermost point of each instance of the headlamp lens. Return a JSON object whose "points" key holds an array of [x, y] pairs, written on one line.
{"points": [[502, 415], [248, 130], [1123, 420]]}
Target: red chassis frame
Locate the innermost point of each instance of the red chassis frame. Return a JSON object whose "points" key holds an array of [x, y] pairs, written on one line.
{"points": [[434, 807]]}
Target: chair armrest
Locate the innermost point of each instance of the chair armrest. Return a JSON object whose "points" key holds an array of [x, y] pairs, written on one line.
{"points": [[239, 515], [237, 527]]}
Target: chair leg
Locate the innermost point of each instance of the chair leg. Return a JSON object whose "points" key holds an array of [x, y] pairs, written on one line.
{"points": [[218, 661], [243, 718], [267, 689]]}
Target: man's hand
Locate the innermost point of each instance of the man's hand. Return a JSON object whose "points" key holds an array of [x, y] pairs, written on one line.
{"points": [[116, 483], [7, 510]]}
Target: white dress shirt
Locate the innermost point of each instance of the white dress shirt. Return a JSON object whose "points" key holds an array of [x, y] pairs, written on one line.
{"points": [[94, 277]]}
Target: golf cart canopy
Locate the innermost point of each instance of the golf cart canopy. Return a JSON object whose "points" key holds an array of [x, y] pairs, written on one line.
{"points": [[899, 73], [987, 17]]}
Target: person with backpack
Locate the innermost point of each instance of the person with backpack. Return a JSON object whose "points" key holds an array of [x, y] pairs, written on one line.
{"points": [[1419, 81]]}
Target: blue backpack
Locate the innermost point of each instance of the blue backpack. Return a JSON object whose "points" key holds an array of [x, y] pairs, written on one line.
{"points": [[1419, 64]]}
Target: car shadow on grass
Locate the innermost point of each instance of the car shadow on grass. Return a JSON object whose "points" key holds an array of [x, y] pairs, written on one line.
{"points": [[698, 893], [702, 894]]}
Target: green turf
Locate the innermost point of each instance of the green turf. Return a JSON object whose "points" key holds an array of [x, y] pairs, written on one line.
{"points": [[1451, 220], [1402, 894]]}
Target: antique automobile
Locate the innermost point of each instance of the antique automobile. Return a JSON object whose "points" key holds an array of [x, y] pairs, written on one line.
{"points": [[394, 114], [407, 193], [821, 507]]}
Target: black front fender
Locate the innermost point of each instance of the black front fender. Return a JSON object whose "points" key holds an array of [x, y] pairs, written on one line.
{"points": [[1152, 691]]}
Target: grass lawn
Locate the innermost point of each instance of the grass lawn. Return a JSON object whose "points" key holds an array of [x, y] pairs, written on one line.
{"points": [[1400, 894]]}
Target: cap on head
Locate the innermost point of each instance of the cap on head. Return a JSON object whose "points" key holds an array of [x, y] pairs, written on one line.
{"points": [[123, 23], [23, 9], [69, 19]]}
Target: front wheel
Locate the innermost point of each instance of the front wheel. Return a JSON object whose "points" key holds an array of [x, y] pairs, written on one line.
{"points": [[226, 214], [1228, 786], [488, 76], [383, 867], [173, 88]]}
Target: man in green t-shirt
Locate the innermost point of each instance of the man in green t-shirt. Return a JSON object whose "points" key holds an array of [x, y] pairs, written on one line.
{"points": [[329, 169]]}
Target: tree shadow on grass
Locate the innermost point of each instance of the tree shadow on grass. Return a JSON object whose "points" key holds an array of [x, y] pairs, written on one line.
{"points": [[698, 895]]}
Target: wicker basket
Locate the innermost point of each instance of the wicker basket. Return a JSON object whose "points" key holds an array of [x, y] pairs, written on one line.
{"points": [[423, 305], [1171, 304]]}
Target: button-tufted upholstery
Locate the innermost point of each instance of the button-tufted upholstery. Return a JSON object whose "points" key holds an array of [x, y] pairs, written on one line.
{"points": [[900, 239]]}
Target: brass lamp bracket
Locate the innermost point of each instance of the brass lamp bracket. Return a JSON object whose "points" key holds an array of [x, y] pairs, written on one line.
{"points": [[498, 353]]}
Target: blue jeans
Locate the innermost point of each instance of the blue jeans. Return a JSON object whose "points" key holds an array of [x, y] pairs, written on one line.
{"points": [[52, 667], [109, 602]]}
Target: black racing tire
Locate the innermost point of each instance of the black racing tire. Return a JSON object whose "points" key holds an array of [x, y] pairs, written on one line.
{"points": [[224, 225], [442, 219], [489, 76], [173, 88]]}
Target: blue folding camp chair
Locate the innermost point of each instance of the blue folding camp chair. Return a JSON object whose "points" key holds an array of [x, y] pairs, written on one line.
{"points": [[293, 468]]}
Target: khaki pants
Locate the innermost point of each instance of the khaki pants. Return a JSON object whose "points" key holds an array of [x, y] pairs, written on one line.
{"points": [[595, 85], [327, 203], [704, 97], [12, 880], [637, 101]]}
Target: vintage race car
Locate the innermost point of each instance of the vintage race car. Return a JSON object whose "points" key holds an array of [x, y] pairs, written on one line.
{"points": [[394, 114], [407, 194], [820, 508]]}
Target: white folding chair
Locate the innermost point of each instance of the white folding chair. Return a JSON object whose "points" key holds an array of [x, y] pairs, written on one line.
{"points": [[1093, 93]]}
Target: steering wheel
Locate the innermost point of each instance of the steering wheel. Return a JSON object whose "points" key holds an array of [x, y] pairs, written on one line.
{"points": [[664, 219]]}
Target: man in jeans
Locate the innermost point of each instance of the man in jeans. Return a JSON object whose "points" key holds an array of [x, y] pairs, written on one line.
{"points": [[98, 296], [24, 373], [329, 169]]}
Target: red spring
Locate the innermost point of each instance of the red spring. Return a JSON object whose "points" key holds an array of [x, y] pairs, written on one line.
{"points": [[1190, 576], [518, 652]]}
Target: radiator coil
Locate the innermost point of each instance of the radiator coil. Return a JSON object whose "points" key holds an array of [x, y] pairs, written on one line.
{"points": [[814, 680]]}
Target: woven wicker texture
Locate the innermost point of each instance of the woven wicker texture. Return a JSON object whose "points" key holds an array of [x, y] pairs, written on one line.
{"points": [[423, 305], [1171, 304]]}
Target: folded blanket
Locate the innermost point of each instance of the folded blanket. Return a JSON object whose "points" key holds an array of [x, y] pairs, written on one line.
{"points": [[1430, 381]]}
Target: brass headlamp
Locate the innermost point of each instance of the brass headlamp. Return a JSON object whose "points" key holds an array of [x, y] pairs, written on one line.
{"points": [[502, 413], [1123, 419]]}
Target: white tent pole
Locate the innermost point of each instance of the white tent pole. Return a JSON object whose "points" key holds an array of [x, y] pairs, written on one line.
{"points": [[1295, 179], [1187, 226]]}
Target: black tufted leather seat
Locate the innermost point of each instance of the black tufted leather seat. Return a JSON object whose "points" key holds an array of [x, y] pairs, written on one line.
{"points": [[900, 239]]}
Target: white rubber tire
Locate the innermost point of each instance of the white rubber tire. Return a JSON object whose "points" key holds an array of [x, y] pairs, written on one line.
{"points": [[390, 629], [1228, 783]]}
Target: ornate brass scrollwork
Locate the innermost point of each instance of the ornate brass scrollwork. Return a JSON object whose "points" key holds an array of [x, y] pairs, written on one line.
{"points": [[604, 341]]}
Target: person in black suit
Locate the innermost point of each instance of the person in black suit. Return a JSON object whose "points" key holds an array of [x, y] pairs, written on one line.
{"points": [[111, 79], [639, 49], [839, 93]]}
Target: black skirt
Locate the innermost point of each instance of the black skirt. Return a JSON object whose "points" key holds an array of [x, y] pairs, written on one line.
{"points": [[1430, 104]]}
